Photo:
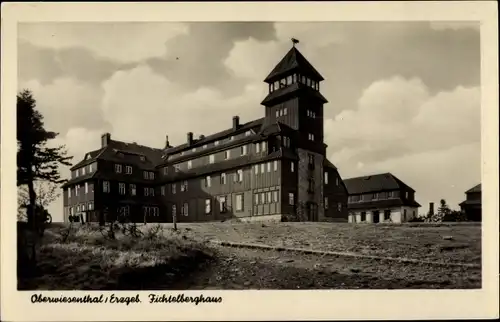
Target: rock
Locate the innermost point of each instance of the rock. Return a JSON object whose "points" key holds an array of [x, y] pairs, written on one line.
{"points": [[247, 283], [253, 262], [289, 260], [448, 237], [355, 270]]}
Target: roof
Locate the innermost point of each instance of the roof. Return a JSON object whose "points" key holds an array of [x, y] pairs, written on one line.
{"points": [[385, 203], [476, 188], [79, 179], [470, 202], [328, 164], [293, 61], [132, 152], [373, 183], [216, 136], [290, 90], [229, 164]]}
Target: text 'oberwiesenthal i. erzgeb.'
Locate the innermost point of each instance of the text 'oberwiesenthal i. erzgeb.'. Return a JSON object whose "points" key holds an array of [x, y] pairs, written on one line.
{"points": [[272, 168]]}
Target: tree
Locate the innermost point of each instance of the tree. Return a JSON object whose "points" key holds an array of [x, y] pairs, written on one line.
{"points": [[35, 160], [46, 193]]}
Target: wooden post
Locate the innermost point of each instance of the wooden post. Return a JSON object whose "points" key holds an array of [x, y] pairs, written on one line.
{"points": [[174, 218]]}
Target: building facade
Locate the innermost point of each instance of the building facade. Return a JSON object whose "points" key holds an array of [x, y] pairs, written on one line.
{"points": [[271, 168], [471, 206], [380, 198]]}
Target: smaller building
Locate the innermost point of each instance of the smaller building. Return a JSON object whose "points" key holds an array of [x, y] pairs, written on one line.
{"points": [[380, 198], [471, 206]]}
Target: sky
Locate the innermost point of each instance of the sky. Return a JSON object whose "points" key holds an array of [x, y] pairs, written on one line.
{"points": [[404, 97]]}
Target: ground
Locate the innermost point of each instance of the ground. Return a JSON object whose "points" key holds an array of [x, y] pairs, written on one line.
{"points": [[185, 259]]}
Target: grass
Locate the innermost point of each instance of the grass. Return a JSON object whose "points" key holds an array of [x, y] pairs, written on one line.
{"points": [[164, 259], [414, 241], [85, 260]]}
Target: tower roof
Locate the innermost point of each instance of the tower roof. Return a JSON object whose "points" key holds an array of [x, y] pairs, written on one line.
{"points": [[293, 61]]}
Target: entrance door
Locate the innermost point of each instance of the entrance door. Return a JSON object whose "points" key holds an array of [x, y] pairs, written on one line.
{"points": [[376, 216]]}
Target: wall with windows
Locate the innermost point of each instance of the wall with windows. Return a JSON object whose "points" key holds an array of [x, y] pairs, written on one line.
{"points": [[85, 170], [391, 214], [374, 196], [335, 195], [310, 185]]}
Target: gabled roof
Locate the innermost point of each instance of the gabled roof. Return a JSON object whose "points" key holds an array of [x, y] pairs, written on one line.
{"points": [[120, 151], [373, 183], [293, 61], [476, 188], [384, 203]]}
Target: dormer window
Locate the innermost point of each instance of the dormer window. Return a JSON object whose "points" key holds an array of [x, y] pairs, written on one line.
{"points": [[143, 158], [87, 157], [289, 80]]}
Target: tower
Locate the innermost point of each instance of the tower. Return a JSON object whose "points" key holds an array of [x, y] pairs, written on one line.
{"points": [[294, 99]]}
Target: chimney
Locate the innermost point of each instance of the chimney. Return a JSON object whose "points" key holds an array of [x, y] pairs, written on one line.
{"points": [[236, 122], [431, 208], [105, 138], [202, 137], [190, 138], [167, 143]]}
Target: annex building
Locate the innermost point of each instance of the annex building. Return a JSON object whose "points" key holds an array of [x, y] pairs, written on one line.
{"points": [[271, 168]]}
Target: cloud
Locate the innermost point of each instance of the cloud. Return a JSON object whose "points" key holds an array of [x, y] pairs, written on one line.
{"points": [[122, 42], [400, 127]]}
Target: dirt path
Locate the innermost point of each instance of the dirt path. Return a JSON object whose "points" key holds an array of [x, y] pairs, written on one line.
{"points": [[257, 269]]}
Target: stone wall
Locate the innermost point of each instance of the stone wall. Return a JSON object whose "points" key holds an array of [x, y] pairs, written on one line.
{"points": [[304, 173]]}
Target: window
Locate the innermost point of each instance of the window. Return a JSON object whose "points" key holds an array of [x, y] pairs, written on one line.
{"points": [[294, 78], [363, 216], [339, 206], [264, 146], [121, 188], [204, 146], [244, 150], [91, 167], [239, 202], [289, 80], [326, 202], [90, 206], [223, 178], [247, 133], [216, 143], [222, 204], [146, 192], [310, 137], [406, 194], [162, 190], [190, 164], [262, 198], [240, 175], [151, 176], [185, 209], [177, 167], [337, 181], [208, 181], [77, 189], [256, 198], [78, 208], [133, 191], [83, 171], [269, 167], [256, 167], [145, 175], [83, 207], [326, 177], [174, 186], [231, 138], [390, 194], [291, 199], [275, 196], [375, 195], [257, 148], [165, 170], [292, 166], [128, 169], [208, 206], [184, 185], [69, 192], [269, 197], [286, 141], [194, 150], [277, 113], [303, 79], [86, 187], [211, 158], [275, 165], [311, 186], [227, 154], [285, 111], [118, 168], [262, 167], [105, 187]]}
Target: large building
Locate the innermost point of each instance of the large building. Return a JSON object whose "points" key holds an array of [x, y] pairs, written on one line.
{"points": [[471, 206], [380, 198], [273, 168]]}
